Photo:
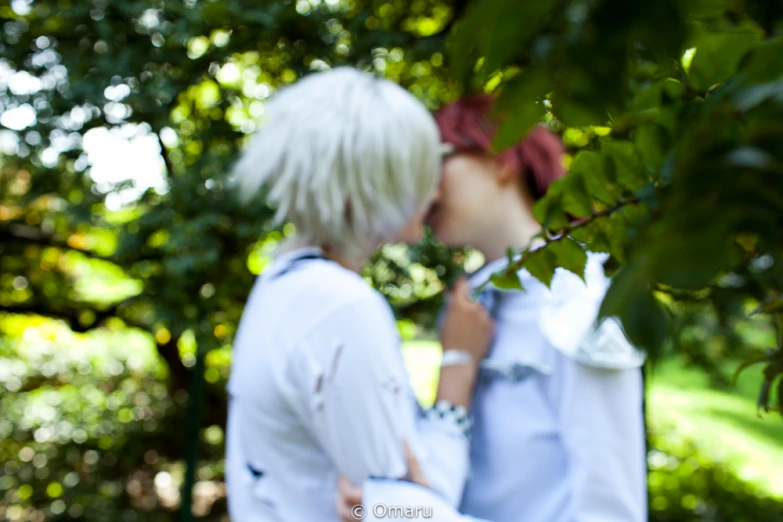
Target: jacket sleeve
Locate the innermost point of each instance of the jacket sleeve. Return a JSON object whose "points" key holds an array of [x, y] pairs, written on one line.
{"points": [[352, 376], [602, 426]]}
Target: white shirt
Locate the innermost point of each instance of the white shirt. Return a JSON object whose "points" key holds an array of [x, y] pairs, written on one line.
{"points": [[565, 443], [558, 433], [319, 388]]}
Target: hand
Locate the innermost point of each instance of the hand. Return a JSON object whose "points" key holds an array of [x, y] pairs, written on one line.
{"points": [[349, 496], [467, 325], [415, 474]]}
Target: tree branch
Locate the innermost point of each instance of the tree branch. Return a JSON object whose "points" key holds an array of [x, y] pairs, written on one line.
{"points": [[35, 236], [178, 372], [169, 350], [164, 153], [71, 315], [583, 222], [565, 232]]}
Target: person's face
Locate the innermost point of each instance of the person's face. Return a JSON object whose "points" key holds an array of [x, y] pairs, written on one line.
{"points": [[462, 210]]}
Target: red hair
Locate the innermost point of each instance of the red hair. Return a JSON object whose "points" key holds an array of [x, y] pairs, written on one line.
{"points": [[468, 125]]}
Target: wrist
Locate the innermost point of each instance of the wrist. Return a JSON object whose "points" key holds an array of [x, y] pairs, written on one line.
{"points": [[456, 357], [456, 384], [458, 414]]}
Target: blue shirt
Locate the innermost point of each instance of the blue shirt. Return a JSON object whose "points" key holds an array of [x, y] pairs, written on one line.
{"points": [[564, 441]]}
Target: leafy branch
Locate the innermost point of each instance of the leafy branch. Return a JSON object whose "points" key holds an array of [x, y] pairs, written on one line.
{"points": [[508, 278], [74, 316], [32, 235], [773, 358]]}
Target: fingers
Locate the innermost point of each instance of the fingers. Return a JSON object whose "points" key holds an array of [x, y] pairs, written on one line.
{"points": [[345, 512], [460, 292], [348, 496], [415, 474], [460, 297], [410, 458], [351, 493], [462, 287]]}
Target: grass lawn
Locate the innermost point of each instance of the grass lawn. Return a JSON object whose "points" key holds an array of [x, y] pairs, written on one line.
{"points": [[723, 423]]}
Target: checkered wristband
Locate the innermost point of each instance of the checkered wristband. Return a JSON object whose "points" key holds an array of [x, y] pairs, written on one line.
{"points": [[457, 414]]}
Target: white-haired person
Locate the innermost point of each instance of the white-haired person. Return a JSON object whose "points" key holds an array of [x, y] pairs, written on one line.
{"points": [[318, 387]]}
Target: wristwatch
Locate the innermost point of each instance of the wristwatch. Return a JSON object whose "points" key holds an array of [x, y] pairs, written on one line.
{"points": [[455, 357]]}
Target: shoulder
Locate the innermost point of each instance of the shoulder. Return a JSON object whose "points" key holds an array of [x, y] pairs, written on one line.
{"points": [[346, 325], [328, 281], [324, 288], [335, 302], [569, 320], [309, 301]]}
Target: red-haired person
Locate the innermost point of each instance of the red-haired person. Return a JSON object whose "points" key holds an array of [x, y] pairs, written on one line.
{"points": [[558, 429]]}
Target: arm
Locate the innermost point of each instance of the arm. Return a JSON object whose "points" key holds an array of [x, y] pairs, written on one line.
{"points": [[600, 412], [383, 499], [359, 406], [355, 384], [468, 327]]}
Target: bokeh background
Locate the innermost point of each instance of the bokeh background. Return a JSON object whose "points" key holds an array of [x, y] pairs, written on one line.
{"points": [[125, 259]]}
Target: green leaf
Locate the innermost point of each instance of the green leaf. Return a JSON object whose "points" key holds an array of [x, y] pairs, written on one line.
{"points": [[592, 237], [771, 306], [646, 323], [504, 28], [668, 168], [652, 142], [522, 103], [754, 95], [591, 166], [542, 264], [764, 63], [491, 29], [576, 113], [747, 363], [549, 209], [649, 98], [629, 167], [507, 280], [576, 199], [616, 231], [599, 243], [570, 255], [718, 54], [763, 400], [629, 298], [705, 8], [780, 396], [673, 88]]}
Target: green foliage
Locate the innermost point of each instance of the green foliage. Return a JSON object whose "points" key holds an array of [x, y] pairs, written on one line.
{"points": [[174, 263], [686, 189], [686, 484], [90, 426]]}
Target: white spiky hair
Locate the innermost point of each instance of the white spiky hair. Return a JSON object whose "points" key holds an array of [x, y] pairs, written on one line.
{"points": [[347, 157]]}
